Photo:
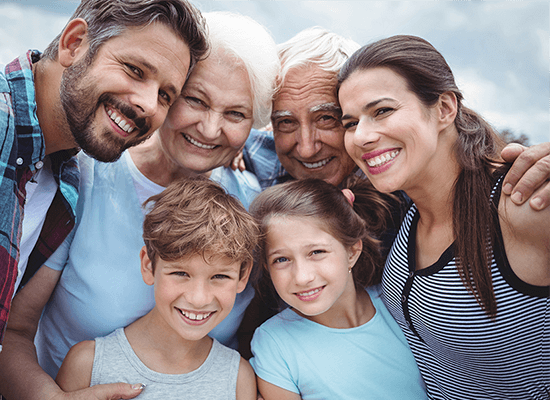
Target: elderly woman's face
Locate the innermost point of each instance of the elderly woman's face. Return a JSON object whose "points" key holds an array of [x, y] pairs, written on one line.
{"points": [[212, 118]]}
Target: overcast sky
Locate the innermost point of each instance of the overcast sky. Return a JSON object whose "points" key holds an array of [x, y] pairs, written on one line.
{"points": [[498, 50]]}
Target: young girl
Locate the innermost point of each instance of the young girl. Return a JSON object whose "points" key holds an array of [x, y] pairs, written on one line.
{"points": [[336, 340], [468, 277]]}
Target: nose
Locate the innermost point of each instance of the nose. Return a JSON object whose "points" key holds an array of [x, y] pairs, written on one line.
{"points": [[145, 99], [308, 143], [210, 124], [198, 294], [303, 273], [364, 134]]}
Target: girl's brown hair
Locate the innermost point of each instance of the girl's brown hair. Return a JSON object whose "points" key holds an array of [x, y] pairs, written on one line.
{"points": [[319, 200]]}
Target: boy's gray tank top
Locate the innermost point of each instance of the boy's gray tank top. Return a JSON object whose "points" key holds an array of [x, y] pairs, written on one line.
{"points": [[216, 378]]}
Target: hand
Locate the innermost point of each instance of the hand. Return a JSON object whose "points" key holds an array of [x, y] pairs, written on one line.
{"points": [[237, 162], [529, 174], [111, 391]]}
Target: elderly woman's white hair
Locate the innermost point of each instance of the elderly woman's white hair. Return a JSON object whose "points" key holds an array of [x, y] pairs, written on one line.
{"points": [[251, 43], [318, 46]]}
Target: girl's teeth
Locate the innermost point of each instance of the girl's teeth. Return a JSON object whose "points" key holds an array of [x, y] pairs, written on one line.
{"points": [[196, 317]]}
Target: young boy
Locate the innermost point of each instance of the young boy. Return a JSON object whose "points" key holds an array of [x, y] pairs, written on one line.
{"points": [[198, 252]]}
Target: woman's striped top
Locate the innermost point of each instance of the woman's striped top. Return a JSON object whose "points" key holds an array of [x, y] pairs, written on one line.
{"points": [[461, 352]]}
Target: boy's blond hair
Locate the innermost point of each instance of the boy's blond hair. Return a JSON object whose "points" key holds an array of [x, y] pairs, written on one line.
{"points": [[196, 216]]}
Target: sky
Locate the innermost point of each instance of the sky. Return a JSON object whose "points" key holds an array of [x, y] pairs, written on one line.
{"points": [[498, 50]]}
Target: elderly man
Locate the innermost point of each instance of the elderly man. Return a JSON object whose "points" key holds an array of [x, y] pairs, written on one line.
{"points": [[104, 84], [307, 140]]}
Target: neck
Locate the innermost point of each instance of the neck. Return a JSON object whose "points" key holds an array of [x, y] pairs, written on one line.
{"points": [[162, 349], [47, 82]]}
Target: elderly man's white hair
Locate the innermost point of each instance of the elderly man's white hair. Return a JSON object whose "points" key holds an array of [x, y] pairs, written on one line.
{"points": [[251, 43], [317, 46]]}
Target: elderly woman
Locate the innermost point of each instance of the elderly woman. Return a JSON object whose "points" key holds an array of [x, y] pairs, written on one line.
{"points": [[101, 287]]}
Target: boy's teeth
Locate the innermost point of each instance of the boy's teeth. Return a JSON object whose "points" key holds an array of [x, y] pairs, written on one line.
{"points": [[382, 159], [198, 144]]}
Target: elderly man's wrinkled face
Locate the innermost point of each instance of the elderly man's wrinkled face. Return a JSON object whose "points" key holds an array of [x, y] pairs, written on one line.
{"points": [[309, 138]]}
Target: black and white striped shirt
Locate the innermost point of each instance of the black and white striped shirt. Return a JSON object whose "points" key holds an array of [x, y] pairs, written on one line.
{"points": [[462, 353]]}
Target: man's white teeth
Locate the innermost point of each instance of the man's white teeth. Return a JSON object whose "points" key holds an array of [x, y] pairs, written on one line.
{"points": [[317, 164], [198, 144], [195, 317], [382, 159], [121, 122], [310, 293]]}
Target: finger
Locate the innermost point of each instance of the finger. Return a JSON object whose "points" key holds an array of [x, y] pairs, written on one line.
{"points": [[113, 391], [541, 199], [512, 151], [242, 165], [529, 171]]}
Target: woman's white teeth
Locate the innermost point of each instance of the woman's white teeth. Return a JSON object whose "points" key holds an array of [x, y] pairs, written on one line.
{"points": [[382, 159], [121, 122], [317, 164], [310, 293], [195, 317], [198, 144]]}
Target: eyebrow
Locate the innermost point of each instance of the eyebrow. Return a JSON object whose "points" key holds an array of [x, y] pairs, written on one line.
{"points": [[368, 106], [280, 114], [332, 107]]}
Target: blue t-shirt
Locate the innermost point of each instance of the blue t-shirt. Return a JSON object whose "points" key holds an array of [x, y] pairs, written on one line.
{"points": [[369, 361], [101, 287]]}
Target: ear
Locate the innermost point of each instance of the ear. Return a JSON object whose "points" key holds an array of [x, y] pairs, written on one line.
{"points": [[244, 278], [447, 108], [146, 267], [72, 43], [355, 252]]}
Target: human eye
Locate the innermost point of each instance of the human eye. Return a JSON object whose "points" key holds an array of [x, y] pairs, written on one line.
{"points": [[134, 70], [328, 121], [318, 251], [279, 260], [350, 125], [195, 102], [235, 116], [221, 277], [382, 111], [179, 273], [285, 125], [165, 96]]}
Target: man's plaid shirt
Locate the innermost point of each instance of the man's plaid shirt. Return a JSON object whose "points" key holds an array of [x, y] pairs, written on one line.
{"points": [[22, 150]]}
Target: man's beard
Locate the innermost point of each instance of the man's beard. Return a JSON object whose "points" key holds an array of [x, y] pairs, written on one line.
{"points": [[78, 102]]}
